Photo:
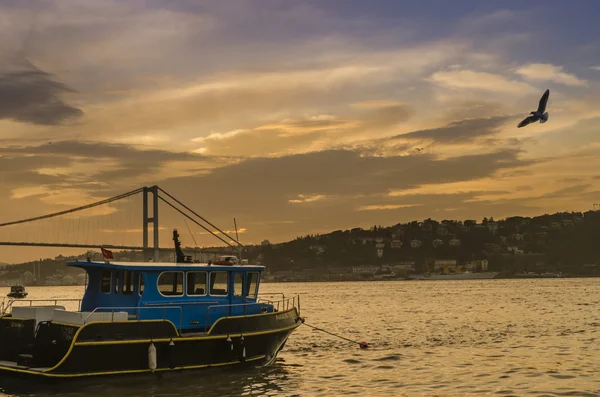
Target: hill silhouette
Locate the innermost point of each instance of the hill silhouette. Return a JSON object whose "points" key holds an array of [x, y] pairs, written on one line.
{"points": [[561, 242]]}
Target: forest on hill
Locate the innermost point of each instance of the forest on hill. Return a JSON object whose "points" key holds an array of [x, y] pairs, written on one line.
{"points": [[565, 242]]}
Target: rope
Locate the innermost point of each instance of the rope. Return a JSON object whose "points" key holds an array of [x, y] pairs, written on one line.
{"points": [[363, 345], [189, 230]]}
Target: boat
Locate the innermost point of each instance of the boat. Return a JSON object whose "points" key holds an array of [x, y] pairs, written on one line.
{"points": [[149, 317], [17, 291], [455, 276]]}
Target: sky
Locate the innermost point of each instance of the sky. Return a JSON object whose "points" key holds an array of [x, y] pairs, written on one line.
{"points": [[297, 117]]}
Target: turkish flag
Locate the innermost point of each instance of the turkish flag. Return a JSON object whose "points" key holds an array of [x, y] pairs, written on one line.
{"points": [[107, 254]]}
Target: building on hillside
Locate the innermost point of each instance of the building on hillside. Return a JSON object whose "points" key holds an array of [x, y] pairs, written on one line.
{"points": [[454, 242], [492, 226], [365, 269], [398, 233], [416, 243], [404, 266], [339, 270], [449, 264], [396, 244], [317, 248]]}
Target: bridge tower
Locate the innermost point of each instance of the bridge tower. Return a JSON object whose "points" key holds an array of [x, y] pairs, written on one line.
{"points": [[153, 219]]}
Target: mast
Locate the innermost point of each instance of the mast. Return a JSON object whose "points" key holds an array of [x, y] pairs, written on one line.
{"points": [[178, 252], [238, 239]]}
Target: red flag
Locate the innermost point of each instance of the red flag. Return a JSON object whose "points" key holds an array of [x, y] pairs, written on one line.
{"points": [[107, 254]]}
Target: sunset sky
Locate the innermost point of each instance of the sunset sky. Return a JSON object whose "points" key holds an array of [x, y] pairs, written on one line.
{"points": [[297, 117]]}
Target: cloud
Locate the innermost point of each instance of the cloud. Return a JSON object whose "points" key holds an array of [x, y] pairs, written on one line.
{"points": [[386, 207], [310, 133], [483, 81], [342, 175], [548, 72], [74, 163], [459, 131], [306, 199], [30, 95], [595, 68], [569, 190]]}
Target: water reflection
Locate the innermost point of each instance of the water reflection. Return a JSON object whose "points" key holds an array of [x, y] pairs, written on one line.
{"points": [[241, 381], [455, 338]]}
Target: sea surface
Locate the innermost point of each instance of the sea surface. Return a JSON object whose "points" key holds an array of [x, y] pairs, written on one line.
{"points": [[535, 337]]}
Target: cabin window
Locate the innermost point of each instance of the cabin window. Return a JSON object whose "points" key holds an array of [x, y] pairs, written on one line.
{"points": [[219, 283], [196, 283], [170, 283], [127, 282], [251, 284], [117, 281], [238, 284], [141, 284], [105, 281]]}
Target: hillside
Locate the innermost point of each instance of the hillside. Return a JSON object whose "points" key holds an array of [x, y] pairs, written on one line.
{"points": [[560, 242], [564, 242]]}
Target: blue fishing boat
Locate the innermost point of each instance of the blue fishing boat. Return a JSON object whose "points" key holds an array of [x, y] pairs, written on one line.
{"points": [[149, 317]]}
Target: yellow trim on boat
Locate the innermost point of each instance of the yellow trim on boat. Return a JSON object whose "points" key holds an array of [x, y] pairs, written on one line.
{"points": [[249, 315], [184, 339], [180, 338], [74, 341]]}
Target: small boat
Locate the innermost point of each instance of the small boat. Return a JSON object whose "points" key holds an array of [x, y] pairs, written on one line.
{"points": [[150, 317], [17, 291]]}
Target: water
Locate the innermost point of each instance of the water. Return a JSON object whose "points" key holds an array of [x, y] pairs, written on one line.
{"points": [[536, 337]]}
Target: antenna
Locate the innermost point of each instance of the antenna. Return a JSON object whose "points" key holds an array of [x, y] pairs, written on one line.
{"points": [[237, 238]]}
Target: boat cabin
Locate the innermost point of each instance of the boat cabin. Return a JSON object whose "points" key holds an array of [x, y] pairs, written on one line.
{"points": [[17, 291], [190, 295]]}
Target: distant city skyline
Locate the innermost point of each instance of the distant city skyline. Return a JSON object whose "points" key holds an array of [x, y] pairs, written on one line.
{"points": [[296, 117]]}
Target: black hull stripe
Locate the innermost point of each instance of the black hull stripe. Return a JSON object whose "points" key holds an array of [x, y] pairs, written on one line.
{"points": [[131, 371]]}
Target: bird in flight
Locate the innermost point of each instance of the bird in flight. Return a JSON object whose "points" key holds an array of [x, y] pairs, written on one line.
{"points": [[540, 114]]}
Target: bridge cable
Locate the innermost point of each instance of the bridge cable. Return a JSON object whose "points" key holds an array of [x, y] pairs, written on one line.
{"points": [[192, 211], [193, 220], [106, 201]]}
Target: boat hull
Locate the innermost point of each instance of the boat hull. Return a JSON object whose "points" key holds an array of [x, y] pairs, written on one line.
{"points": [[60, 351], [17, 295], [456, 276]]}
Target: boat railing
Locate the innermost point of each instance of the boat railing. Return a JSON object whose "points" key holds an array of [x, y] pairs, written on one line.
{"points": [[272, 294], [6, 306], [283, 304], [114, 310]]}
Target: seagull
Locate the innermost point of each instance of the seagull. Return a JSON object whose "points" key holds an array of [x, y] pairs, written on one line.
{"points": [[540, 114], [418, 149]]}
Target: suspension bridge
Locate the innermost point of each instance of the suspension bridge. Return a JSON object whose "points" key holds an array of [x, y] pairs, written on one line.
{"points": [[98, 224]]}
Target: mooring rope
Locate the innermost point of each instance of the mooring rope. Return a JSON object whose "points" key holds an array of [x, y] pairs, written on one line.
{"points": [[362, 345]]}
